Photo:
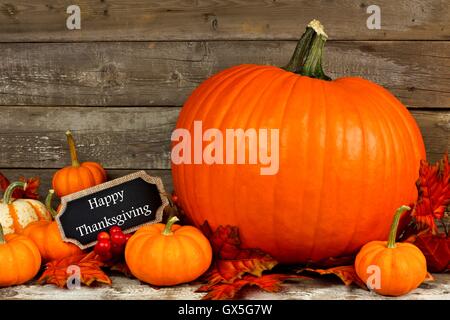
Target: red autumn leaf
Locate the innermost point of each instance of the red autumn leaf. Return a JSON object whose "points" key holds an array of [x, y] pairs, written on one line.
{"points": [[331, 262], [234, 268], [436, 249], [224, 291], [346, 273], [434, 193], [230, 260], [31, 191], [121, 267], [4, 182], [56, 272]]}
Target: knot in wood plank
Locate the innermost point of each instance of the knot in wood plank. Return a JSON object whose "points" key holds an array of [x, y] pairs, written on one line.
{"points": [[9, 10]]}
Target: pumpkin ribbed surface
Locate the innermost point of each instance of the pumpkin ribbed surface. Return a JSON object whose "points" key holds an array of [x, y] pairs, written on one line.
{"points": [[166, 260], [14, 217], [349, 156], [20, 260], [73, 179], [46, 236]]}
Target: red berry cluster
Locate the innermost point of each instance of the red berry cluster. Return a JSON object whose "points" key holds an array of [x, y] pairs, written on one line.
{"points": [[111, 245]]}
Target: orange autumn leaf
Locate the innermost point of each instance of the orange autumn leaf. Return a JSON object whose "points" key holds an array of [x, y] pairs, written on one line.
{"points": [[434, 197], [222, 291], [56, 272], [332, 262], [346, 273], [434, 193], [225, 291], [436, 249], [234, 268], [230, 260]]}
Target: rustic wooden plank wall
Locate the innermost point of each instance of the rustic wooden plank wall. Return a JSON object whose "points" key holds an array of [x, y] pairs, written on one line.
{"points": [[144, 20], [119, 82]]}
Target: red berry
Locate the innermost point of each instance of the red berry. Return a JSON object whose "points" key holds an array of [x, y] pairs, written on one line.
{"points": [[174, 198], [105, 257], [117, 249], [115, 229], [103, 247], [118, 238], [128, 236], [103, 236]]}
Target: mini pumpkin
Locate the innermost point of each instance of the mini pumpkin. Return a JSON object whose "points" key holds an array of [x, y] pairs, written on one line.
{"points": [[78, 176], [402, 267], [20, 260], [166, 255], [17, 214], [46, 236]]}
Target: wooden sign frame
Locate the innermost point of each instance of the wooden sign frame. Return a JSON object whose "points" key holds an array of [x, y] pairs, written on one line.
{"points": [[80, 194]]}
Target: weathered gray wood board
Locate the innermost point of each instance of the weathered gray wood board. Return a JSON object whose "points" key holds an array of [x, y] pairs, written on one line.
{"points": [[310, 289], [435, 128], [113, 20], [46, 176], [165, 73], [120, 138], [126, 138]]}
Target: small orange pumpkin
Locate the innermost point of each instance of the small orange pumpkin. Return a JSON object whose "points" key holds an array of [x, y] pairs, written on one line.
{"points": [[46, 236], [20, 260], [17, 214], [167, 255], [78, 176], [401, 267]]}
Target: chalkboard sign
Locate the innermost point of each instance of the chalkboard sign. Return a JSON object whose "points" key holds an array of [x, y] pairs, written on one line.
{"points": [[128, 202]]}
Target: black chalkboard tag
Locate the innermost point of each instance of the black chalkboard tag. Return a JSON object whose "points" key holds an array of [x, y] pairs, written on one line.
{"points": [[128, 202]]}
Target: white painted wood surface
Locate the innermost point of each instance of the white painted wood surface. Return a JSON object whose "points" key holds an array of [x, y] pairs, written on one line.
{"points": [[310, 289]]}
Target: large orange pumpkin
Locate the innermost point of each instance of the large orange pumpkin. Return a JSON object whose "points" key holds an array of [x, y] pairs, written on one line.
{"points": [[349, 155]]}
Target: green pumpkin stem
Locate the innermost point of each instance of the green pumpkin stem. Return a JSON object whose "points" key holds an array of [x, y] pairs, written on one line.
{"points": [[48, 203], [73, 150], [168, 229], [307, 57], [394, 226], [2, 236], [7, 196]]}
